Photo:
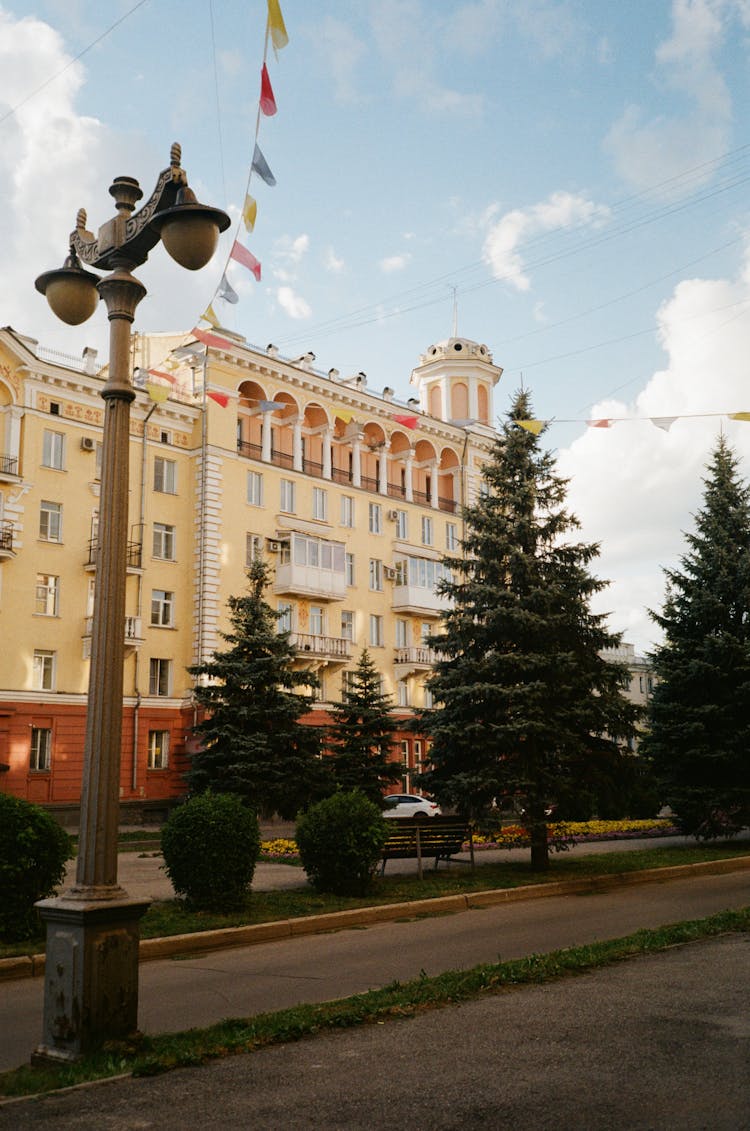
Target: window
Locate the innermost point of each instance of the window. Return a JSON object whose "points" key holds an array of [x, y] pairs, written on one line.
{"points": [[348, 684], [287, 495], [50, 521], [98, 459], [320, 504], [376, 631], [451, 537], [285, 610], [53, 450], [317, 620], [158, 749], [402, 630], [376, 518], [253, 548], [376, 573], [320, 553], [402, 525], [40, 756], [165, 475], [347, 510], [160, 677], [417, 753], [164, 541], [162, 608], [319, 693], [47, 595], [43, 673], [402, 689], [426, 531], [347, 624], [429, 698], [422, 573], [255, 488], [426, 631], [349, 567]]}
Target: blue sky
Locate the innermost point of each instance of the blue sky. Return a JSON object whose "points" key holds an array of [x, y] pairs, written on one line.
{"points": [[577, 170]]}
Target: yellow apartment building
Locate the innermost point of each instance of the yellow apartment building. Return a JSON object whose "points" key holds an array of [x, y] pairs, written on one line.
{"points": [[352, 496]]}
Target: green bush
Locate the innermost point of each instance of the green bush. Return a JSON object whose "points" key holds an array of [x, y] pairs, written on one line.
{"points": [[33, 853], [211, 845], [340, 842]]}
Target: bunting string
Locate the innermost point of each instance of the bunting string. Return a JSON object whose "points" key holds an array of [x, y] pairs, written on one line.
{"points": [[537, 426]]}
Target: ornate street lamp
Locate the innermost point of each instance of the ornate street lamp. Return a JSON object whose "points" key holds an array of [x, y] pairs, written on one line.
{"points": [[91, 971]]}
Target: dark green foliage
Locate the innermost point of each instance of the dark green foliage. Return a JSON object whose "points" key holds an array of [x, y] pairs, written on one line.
{"points": [[253, 742], [361, 736], [33, 853], [340, 842], [699, 739], [211, 845], [529, 713]]}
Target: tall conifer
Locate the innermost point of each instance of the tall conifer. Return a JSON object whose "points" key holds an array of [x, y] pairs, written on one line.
{"points": [[527, 710]]}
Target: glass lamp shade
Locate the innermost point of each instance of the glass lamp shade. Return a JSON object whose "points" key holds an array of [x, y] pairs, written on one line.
{"points": [[70, 291], [190, 231]]}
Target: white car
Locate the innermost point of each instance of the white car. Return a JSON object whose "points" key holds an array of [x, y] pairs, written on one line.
{"points": [[409, 805]]}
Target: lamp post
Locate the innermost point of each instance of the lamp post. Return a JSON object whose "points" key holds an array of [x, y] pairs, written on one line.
{"points": [[91, 970]]}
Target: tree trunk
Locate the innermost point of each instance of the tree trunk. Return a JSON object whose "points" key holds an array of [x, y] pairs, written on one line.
{"points": [[538, 836]]}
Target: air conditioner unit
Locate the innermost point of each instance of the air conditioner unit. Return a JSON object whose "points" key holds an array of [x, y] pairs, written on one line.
{"points": [[88, 443], [274, 546], [393, 516], [389, 573]]}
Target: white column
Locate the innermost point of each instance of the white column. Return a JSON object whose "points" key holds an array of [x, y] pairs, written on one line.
{"points": [[265, 444], [473, 400], [383, 472], [356, 462], [297, 444], [326, 438], [408, 476], [13, 435], [447, 406], [434, 485]]}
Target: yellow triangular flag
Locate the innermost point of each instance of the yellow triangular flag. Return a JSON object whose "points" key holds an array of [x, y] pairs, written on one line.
{"points": [[535, 426], [249, 212], [344, 414], [158, 393], [276, 26], [739, 416], [209, 315]]}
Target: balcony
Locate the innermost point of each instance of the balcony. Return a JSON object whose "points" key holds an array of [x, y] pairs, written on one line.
{"points": [[9, 469], [134, 556], [310, 581], [133, 634], [409, 660], [418, 599], [6, 541], [324, 649]]}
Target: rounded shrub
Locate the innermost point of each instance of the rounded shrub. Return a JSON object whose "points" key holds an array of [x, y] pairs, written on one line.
{"points": [[211, 845], [340, 842], [33, 853]]}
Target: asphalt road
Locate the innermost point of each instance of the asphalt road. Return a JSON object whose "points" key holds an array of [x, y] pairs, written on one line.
{"points": [[660, 1042]]}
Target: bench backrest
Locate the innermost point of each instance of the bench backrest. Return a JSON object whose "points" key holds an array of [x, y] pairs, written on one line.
{"points": [[436, 834]]}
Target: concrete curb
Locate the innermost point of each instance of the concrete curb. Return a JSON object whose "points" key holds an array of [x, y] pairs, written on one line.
{"points": [[32, 966]]}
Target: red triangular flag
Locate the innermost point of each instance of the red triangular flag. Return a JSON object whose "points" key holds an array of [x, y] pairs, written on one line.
{"points": [[211, 339], [407, 421], [267, 100], [165, 376], [220, 398], [246, 258]]}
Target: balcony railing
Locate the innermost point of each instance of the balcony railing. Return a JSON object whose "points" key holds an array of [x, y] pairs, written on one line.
{"points": [[447, 505], [330, 647], [133, 630], [6, 539], [134, 554], [249, 450], [341, 475], [419, 656], [9, 465]]}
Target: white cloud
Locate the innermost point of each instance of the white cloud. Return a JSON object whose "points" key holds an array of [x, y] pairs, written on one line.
{"points": [[332, 262], [293, 304], [393, 263], [343, 52], [636, 487], [505, 236]]}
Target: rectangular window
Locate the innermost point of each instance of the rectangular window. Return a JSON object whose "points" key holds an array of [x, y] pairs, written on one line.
{"points": [[287, 495], [40, 755], [43, 674], [402, 629], [347, 683], [163, 541], [320, 504], [53, 450], [376, 573], [347, 510], [375, 518], [50, 521], [160, 677], [349, 568], [451, 536], [426, 631], [347, 624], [426, 531], [47, 595], [285, 610], [158, 749], [165, 475], [162, 608], [402, 525], [253, 548], [317, 620], [376, 631], [417, 753], [403, 693], [429, 698], [255, 488]]}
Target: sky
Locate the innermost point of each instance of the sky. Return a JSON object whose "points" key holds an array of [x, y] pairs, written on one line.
{"points": [[566, 178]]}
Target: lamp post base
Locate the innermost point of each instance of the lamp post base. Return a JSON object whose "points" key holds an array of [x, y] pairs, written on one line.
{"points": [[90, 975]]}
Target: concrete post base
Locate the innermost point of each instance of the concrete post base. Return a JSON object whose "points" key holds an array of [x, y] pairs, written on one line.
{"points": [[90, 976]]}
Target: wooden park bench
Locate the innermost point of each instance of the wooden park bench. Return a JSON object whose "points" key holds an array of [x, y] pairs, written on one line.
{"points": [[427, 837]]}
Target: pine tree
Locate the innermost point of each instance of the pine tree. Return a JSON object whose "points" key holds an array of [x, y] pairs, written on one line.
{"points": [[360, 738], [528, 711], [699, 737], [252, 741]]}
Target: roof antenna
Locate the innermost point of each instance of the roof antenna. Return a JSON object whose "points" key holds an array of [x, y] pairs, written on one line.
{"points": [[455, 312]]}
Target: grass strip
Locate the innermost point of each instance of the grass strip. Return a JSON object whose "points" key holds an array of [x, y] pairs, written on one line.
{"points": [[153, 1055]]}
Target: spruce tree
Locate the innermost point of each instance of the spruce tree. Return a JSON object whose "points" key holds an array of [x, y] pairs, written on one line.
{"points": [[253, 743], [699, 724], [527, 710], [360, 739]]}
